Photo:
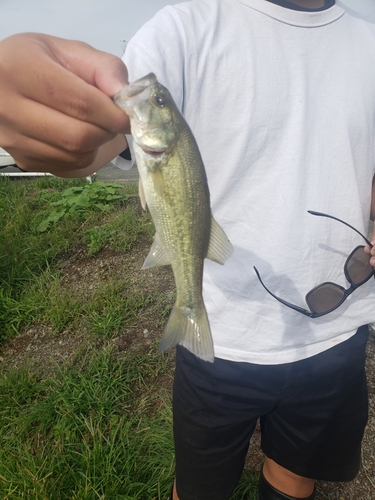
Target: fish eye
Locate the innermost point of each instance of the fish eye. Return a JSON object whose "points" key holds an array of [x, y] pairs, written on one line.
{"points": [[160, 100]]}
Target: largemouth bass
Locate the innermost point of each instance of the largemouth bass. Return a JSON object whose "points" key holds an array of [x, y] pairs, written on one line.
{"points": [[173, 185]]}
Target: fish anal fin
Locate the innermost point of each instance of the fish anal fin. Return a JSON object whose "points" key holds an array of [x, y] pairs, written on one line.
{"points": [[192, 331], [219, 248], [156, 256]]}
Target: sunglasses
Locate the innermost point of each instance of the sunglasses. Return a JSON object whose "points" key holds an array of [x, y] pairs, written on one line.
{"points": [[328, 296]]}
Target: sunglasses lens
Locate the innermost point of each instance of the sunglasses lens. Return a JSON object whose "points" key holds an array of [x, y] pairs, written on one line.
{"points": [[325, 297], [358, 268]]}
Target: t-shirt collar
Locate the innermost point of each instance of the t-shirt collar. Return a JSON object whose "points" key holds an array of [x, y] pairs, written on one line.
{"points": [[307, 19], [290, 5]]}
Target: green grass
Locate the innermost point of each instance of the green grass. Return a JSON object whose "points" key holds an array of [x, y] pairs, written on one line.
{"points": [[30, 289], [90, 433], [87, 433], [24, 252], [24, 206], [113, 235], [99, 427]]}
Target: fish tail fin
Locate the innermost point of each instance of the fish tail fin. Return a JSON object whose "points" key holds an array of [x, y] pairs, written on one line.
{"points": [[189, 330]]}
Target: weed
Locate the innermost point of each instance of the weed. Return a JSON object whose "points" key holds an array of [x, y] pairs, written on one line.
{"points": [[119, 234], [13, 313], [165, 302], [111, 306], [79, 198], [50, 302], [97, 237]]}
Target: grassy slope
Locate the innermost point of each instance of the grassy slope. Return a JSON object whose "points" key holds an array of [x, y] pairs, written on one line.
{"points": [[100, 427]]}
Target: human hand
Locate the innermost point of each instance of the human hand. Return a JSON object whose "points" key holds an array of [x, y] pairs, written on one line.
{"points": [[55, 103]]}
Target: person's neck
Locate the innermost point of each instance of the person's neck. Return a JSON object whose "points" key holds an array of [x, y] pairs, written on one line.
{"points": [[308, 4]]}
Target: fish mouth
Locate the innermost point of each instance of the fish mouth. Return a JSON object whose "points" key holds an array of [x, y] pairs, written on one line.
{"points": [[131, 95], [137, 87], [154, 152]]}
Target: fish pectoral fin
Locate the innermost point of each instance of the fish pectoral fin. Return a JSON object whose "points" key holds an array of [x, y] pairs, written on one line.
{"points": [[142, 195], [189, 330], [158, 179], [156, 256], [219, 248]]}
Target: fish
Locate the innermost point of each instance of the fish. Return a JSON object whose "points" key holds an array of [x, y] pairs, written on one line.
{"points": [[173, 186]]}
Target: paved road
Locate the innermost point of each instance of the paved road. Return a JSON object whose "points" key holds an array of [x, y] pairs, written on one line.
{"points": [[108, 173], [111, 173]]}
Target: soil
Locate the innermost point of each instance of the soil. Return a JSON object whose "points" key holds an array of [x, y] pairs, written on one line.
{"points": [[39, 349]]}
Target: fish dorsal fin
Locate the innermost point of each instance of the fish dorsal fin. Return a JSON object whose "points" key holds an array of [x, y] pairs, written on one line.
{"points": [[158, 179], [142, 195], [156, 256], [219, 248]]}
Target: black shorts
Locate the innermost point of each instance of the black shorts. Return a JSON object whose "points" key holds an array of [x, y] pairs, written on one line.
{"points": [[312, 412]]}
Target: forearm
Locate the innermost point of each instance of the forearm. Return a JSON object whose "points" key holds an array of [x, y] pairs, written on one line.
{"points": [[105, 154]]}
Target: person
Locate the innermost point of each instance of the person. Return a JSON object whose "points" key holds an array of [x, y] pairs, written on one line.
{"points": [[279, 96]]}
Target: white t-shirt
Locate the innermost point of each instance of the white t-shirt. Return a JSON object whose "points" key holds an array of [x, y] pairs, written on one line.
{"points": [[282, 104]]}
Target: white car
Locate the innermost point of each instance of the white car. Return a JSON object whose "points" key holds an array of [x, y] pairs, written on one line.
{"points": [[5, 159]]}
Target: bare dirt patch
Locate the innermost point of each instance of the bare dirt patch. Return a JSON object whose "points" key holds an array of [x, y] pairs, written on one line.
{"points": [[41, 349]]}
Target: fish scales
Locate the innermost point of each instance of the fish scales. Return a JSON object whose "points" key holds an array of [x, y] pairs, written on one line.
{"points": [[184, 233]]}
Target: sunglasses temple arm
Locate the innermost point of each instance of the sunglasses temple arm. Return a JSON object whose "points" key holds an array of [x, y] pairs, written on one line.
{"points": [[291, 306], [321, 214]]}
